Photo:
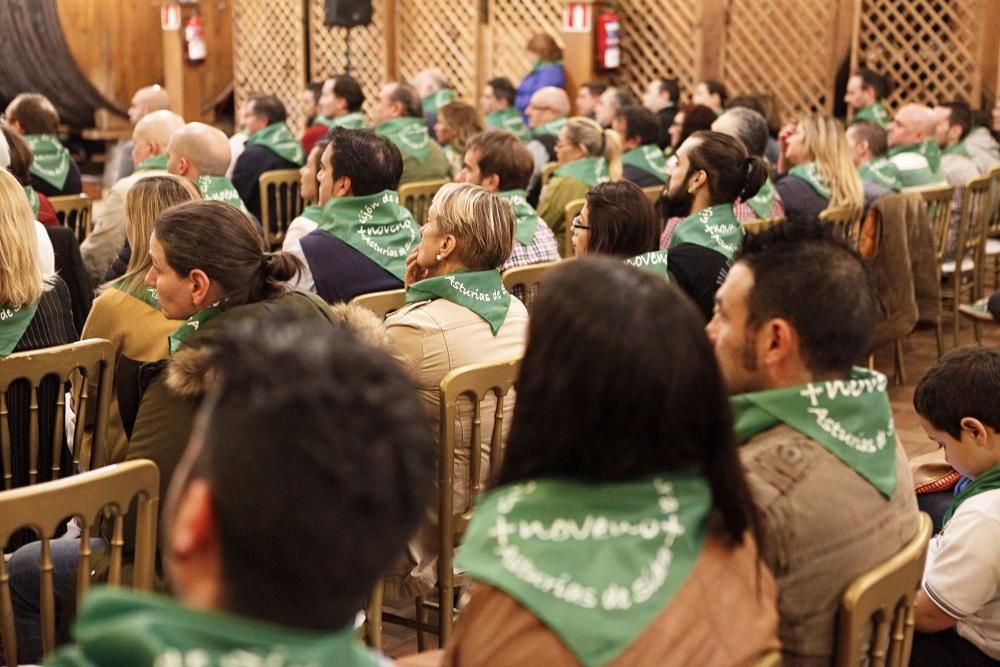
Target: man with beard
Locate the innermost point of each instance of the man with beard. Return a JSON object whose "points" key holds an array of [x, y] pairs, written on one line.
{"points": [[713, 170]]}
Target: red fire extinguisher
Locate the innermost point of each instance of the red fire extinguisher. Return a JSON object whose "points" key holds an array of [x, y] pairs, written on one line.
{"points": [[609, 55], [194, 39]]}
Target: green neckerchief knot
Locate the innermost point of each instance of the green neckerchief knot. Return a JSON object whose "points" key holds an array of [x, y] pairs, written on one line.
{"points": [[374, 225], [409, 135], [190, 326], [313, 212], [526, 221], [957, 149], [654, 262], [144, 293], [715, 228], [881, 171], [33, 200], [440, 97], [508, 119], [762, 202], [539, 64], [278, 139], [596, 563], [482, 292], [51, 163], [121, 627], [927, 148], [810, 174], [988, 481], [588, 170], [155, 162], [852, 419], [550, 129], [354, 120], [220, 188], [14, 321], [649, 158], [873, 113]]}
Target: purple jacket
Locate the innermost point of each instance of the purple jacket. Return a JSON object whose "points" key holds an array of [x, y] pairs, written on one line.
{"points": [[550, 74]]}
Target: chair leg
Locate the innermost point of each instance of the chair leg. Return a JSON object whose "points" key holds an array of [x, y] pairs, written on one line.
{"points": [[373, 624], [420, 614], [939, 334], [976, 330], [871, 361], [900, 368]]}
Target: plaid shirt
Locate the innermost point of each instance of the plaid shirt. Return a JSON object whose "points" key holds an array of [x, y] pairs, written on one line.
{"points": [[543, 248], [741, 210]]}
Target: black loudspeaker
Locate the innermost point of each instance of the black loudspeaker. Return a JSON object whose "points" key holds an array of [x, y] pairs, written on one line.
{"points": [[348, 13]]}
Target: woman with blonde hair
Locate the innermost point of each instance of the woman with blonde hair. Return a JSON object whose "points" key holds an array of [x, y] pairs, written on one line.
{"points": [[587, 154], [127, 311], [457, 313], [457, 122], [816, 167]]}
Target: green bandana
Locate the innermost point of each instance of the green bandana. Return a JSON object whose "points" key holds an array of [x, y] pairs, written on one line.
{"points": [[409, 135], [355, 120], [852, 419], [957, 149], [117, 627], [595, 562], [988, 481], [881, 171], [526, 220], [33, 200], [482, 292], [539, 64], [144, 293], [51, 163], [550, 129], [654, 262], [376, 226], [649, 158], [873, 113], [313, 212], [762, 202], [808, 173], [920, 175], [588, 170], [155, 162], [190, 326], [13, 323], [715, 228], [431, 103], [508, 119], [278, 139], [220, 188]]}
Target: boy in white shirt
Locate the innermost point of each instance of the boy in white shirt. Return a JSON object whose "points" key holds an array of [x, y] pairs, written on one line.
{"points": [[958, 606]]}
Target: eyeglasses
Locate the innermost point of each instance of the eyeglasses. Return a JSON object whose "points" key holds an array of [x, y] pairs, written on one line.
{"points": [[577, 225]]}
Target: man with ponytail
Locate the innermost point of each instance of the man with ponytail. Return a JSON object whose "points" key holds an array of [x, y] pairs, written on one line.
{"points": [[712, 171]]}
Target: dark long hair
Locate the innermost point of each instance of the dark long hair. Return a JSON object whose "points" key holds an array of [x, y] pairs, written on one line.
{"points": [[221, 240], [601, 399], [622, 220]]}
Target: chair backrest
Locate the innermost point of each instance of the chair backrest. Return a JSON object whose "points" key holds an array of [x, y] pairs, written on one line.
{"points": [[653, 192], [382, 303], [847, 220], [547, 170], [45, 507], [473, 383], [938, 202], [86, 364], [993, 223], [527, 277], [280, 202], [758, 226], [75, 212], [417, 196], [569, 213], [972, 225], [876, 610]]}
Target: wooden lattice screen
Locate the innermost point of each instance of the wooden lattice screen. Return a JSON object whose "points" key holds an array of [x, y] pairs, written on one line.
{"points": [[439, 35], [928, 48], [512, 23], [795, 69], [269, 53], [658, 40], [326, 50]]}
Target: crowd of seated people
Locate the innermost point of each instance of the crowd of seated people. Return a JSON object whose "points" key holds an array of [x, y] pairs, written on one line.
{"points": [[685, 409]]}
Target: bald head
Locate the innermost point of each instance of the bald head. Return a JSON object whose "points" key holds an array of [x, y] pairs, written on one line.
{"points": [[911, 125], [198, 150], [147, 100], [547, 104], [152, 133], [428, 80]]}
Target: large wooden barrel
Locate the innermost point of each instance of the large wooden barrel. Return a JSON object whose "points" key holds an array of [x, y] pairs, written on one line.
{"points": [[91, 54]]}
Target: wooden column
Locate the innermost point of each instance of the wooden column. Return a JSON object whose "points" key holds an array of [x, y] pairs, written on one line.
{"points": [[711, 39], [578, 53], [988, 84], [391, 31], [182, 80]]}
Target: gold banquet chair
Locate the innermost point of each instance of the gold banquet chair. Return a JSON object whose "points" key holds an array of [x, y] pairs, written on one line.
{"points": [[547, 169], [417, 196], [569, 215], [847, 221], [938, 202], [964, 272], [881, 600], [523, 281], [761, 225], [85, 496], [382, 303], [992, 249], [75, 212], [280, 203], [653, 192]]}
